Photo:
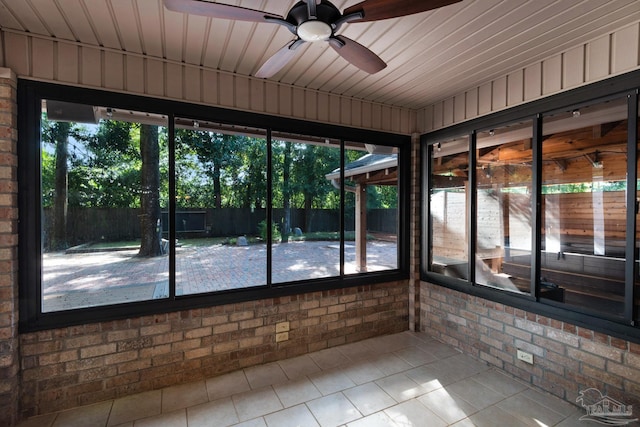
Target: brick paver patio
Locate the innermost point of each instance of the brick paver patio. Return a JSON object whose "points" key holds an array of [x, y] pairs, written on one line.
{"points": [[91, 279]]}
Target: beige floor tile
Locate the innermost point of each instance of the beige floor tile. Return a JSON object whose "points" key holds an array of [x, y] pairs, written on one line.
{"points": [[329, 358], [169, 419], [441, 350], [184, 395], [363, 372], [256, 403], [223, 411], [403, 388], [390, 364], [299, 367], [357, 351], [295, 392], [227, 385], [432, 376], [500, 382], [256, 422], [415, 356], [135, 407], [369, 398], [462, 366], [296, 416], [402, 380], [414, 413], [331, 381], [447, 406], [573, 419], [494, 416], [333, 410], [530, 411], [552, 402], [379, 419], [464, 423], [90, 415], [390, 343], [475, 393], [265, 375]]}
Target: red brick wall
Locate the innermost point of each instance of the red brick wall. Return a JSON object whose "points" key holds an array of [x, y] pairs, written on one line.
{"points": [[73, 366], [567, 358], [9, 360]]}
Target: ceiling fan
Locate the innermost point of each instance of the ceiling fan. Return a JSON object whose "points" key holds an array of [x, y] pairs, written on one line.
{"points": [[313, 21]]}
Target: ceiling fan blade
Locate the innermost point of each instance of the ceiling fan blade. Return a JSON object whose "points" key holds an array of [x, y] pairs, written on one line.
{"points": [[357, 54], [279, 59], [218, 10], [376, 10]]}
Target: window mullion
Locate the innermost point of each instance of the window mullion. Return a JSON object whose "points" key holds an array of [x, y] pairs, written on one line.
{"points": [[269, 207], [536, 206], [172, 206], [632, 179], [472, 200]]}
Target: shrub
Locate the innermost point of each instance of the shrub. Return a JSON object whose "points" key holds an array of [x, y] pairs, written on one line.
{"points": [[262, 231]]}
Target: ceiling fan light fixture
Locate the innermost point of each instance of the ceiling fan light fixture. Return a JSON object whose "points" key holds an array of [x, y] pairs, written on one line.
{"points": [[314, 30]]}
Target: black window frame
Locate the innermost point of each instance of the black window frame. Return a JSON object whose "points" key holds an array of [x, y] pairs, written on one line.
{"points": [[30, 96], [615, 87]]}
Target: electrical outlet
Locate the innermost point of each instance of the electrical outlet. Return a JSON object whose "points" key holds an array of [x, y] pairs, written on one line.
{"points": [[525, 357]]}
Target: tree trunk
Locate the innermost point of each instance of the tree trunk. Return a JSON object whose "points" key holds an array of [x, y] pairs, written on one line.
{"points": [[150, 226], [217, 189], [308, 213], [60, 133], [286, 193]]}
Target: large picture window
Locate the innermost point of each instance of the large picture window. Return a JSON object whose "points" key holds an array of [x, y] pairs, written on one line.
{"points": [[127, 210], [533, 207]]}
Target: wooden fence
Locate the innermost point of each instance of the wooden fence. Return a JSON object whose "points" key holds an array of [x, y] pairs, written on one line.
{"points": [[86, 225]]}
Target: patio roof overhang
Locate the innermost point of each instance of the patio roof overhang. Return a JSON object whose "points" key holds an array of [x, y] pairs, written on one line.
{"points": [[370, 169]]}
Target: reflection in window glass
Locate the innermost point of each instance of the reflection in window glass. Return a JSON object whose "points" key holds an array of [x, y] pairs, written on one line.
{"points": [[306, 209], [584, 205], [104, 183], [371, 208], [448, 208], [503, 220], [221, 202]]}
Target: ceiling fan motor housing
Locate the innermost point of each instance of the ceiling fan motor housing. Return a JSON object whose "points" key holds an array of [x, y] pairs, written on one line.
{"points": [[325, 12]]}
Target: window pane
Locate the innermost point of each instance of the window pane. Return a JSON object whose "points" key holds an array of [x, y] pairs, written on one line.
{"points": [[584, 205], [104, 183], [503, 220], [221, 201], [306, 209], [371, 208], [449, 207]]}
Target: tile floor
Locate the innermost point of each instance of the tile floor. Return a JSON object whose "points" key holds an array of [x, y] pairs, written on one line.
{"points": [[400, 380]]}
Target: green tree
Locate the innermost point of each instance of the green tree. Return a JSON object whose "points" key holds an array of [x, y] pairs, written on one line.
{"points": [[214, 152]]}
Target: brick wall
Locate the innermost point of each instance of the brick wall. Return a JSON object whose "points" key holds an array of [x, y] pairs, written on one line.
{"points": [[73, 366], [9, 360], [567, 358]]}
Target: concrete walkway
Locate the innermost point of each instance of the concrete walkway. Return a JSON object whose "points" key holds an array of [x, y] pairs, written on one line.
{"points": [[93, 279]]}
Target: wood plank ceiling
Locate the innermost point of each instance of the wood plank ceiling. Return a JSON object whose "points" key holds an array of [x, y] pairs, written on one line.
{"points": [[430, 56]]}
